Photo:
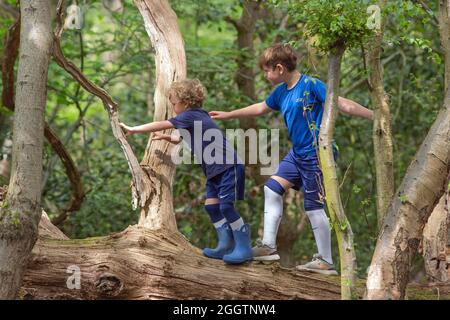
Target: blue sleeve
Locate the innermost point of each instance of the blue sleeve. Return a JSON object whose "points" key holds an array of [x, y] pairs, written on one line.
{"points": [[183, 120], [319, 90], [273, 100]]}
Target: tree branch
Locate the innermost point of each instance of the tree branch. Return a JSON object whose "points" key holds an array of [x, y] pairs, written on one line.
{"points": [[428, 10], [139, 178], [9, 10]]}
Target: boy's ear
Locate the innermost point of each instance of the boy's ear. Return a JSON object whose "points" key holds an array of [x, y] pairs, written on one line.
{"points": [[280, 68]]}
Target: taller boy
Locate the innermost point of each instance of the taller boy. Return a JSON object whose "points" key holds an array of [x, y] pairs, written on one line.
{"points": [[300, 99]]}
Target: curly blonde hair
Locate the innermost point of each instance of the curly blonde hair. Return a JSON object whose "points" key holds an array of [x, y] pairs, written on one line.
{"points": [[189, 91]]}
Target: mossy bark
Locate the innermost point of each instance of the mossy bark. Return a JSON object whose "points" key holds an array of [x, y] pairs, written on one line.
{"points": [[339, 221], [382, 133]]}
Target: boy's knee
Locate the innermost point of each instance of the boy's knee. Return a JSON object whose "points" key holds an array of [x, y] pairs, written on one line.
{"points": [[275, 186], [226, 207], [313, 204]]}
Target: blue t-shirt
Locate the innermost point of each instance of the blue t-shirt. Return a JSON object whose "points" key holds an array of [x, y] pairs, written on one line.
{"points": [[302, 109], [206, 141]]}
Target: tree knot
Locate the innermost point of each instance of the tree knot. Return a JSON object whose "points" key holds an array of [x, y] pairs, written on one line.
{"points": [[109, 284]]}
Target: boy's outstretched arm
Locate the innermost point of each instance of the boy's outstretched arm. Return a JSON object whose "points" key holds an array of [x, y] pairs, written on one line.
{"points": [[353, 108], [172, 138], [148, 127], [254, 110]]}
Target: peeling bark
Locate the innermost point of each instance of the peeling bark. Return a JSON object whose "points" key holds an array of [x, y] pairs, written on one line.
{"points": [[161, 25], [139, 263], [435, 243]]}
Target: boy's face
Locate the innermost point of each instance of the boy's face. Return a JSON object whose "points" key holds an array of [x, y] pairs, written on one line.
{"points": [[275, 75], [178, 106]]}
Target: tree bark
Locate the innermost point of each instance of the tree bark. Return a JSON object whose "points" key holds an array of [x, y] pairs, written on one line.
{"points": [[12, 49], [139, 263], [382, 133], [435, 242], [161, 25], [421, 189], [339, 221], [20, 212], [444, 32]]}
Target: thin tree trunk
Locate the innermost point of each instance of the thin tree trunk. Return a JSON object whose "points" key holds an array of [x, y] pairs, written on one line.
{"points": [[71, 172], [382, 133], [12, 48], [161, 25], [245, 75], [444, 32], [339, 221], [420, 191], [21, 212]]}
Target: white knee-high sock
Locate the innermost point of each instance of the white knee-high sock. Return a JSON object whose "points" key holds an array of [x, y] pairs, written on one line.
{"points": [[273, 210], [322, 232]]}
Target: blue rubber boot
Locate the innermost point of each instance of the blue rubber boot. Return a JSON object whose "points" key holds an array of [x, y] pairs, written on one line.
{"points": [[225, 245], [243, 250]]}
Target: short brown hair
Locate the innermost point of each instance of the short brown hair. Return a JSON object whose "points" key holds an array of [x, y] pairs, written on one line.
{"points": [[188, 91], [279, 53]]}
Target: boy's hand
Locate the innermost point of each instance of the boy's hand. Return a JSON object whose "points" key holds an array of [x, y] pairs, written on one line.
{"points": [[126, 129], [173, 138], [161, 136], [219, 115]]}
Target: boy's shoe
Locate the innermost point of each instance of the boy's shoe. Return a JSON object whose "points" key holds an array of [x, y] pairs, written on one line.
{"points": [[225, 244], [318, 265], [262, 252], [242, 250]]}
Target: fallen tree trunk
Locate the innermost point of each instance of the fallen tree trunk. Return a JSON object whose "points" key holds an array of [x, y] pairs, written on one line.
{"points": [[139, 263]]}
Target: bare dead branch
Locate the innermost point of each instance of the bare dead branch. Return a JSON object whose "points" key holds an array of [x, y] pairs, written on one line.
{"points": [[139, 178]]}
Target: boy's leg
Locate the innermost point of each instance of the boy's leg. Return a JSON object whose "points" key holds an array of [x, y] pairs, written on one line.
{"points": [[273, 208], [225, 236], [231, 188], [212, 207], [212, 203], [312, 182], [286, 176]]}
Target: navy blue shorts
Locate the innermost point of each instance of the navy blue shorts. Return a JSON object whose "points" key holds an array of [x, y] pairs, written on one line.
{"points": [[304, 173], [227, 186]]}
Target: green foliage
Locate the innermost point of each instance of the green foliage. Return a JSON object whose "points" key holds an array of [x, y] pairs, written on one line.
{"points": [[333, 22], [403, 198]]}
